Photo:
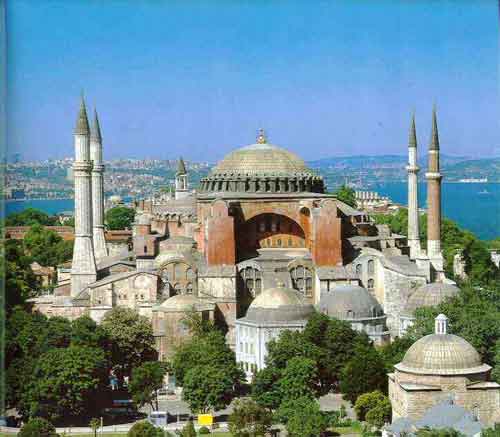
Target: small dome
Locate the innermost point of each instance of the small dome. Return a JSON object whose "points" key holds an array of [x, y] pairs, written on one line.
{"points": [[429, 295], [184, 303], [442, 354], [350, 302], [279, 304]]}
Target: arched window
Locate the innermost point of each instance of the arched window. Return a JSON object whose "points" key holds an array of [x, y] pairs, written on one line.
{"points": [[252, 280], [302, 280], [177, 288], [371, 283], [189, 288], [371, 267], [359, 269], [189, 274]]}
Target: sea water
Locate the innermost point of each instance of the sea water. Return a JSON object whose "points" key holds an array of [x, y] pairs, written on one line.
{"points": [[475, 207]]}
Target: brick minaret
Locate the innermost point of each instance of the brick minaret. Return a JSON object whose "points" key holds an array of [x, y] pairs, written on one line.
{"points": [[97, 190], [83, 269], [434, 177], [413, 169]]}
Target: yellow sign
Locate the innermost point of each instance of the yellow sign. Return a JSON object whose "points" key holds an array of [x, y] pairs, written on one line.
{"points": [[205, 419]]}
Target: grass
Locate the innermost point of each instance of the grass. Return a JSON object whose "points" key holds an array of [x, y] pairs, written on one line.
{"points": [[355, 428]]}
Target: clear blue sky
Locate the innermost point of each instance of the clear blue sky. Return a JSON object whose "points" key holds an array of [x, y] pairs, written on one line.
{"points": [[198, 78]]}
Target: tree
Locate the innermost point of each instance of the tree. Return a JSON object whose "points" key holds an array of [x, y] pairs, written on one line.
{"points": [[207, 388], [366, 402], [66, 383], [249, 419], [37, 427], [20, 282], [188, 430], [146, 380], [495, 374], [380, 414], [95, 423], [299, 379], [394, 352], [46, 247], [302, 417], [336, 340], [119, 217], [86, 332], [144, 429], [265, 390], [346, 194], [363, 373], [491, 432], [209, 348], [30, 217], [131, 340]]}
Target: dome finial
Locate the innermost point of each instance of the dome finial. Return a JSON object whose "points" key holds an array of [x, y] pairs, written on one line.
{"points": [[441, 324], [261, 137]]}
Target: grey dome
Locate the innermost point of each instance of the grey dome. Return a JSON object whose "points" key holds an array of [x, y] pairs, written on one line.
{"points": [[279, 304], [442, 354], [429, 295], [262, 168], [350, 302], [184, 303]]}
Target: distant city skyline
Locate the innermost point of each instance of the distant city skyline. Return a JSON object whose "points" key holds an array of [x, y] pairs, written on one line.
{"points": [[198, 79]]}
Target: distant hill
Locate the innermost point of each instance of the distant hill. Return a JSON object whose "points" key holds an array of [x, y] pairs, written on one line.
{"points": [[380, 161]]}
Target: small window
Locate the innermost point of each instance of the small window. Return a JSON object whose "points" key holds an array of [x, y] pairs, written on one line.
{"points": [[359, 269], [371, 283], [371, 267]]}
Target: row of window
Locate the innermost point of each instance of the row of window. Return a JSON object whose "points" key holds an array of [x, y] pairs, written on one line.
{"points": [[370, 268], [248, 367], [247, 348]]}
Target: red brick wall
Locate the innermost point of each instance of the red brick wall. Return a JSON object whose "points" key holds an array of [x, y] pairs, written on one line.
{"points": [[327, 239], [221, 247]]}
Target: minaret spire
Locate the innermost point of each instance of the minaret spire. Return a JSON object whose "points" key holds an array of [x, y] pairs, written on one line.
{"points": [[98, 236], [83, 267], [181, 180], [434, 178], [413, 169]]}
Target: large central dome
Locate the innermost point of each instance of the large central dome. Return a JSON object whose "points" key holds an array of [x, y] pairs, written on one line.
{"points": [[262, 159], [262, 168]]}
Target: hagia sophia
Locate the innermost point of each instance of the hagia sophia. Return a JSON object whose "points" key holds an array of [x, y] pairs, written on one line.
{"points": [[257, 248]]}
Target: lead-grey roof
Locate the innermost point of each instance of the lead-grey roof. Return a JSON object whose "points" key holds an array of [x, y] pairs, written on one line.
{"points": [[350, 302], [429, 295]]}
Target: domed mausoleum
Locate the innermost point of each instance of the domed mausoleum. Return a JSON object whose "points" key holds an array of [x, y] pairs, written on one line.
{"points": [[426, 295], [442, 366], [356, 305], [272, 311]]}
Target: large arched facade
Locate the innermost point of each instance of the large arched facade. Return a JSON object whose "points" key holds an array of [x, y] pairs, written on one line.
{"points": [[269, 231]]}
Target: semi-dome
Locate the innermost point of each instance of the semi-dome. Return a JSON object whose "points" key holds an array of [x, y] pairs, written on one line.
{"points": [[429, 295], [184, 303], [350, 302], [442, 354], [262, 168], [279, 304]]}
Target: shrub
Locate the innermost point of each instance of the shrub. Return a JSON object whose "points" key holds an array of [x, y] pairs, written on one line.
{"points": [[38, 427], [144, 429], [203, 430]]}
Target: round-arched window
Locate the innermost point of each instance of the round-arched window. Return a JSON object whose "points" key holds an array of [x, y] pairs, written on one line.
{"points": [[252, 280], [302, 280], [371, 267]]}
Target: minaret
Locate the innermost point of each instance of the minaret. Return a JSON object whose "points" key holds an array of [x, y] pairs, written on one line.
{"points": [[83, 269], [434, 177], [181, 181], [413, 169], [97, 190]]}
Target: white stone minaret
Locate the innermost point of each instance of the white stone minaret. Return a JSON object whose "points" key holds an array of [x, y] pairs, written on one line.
{"points": [[100, 249], [413, 169], [83, 269], [181, 181]]}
